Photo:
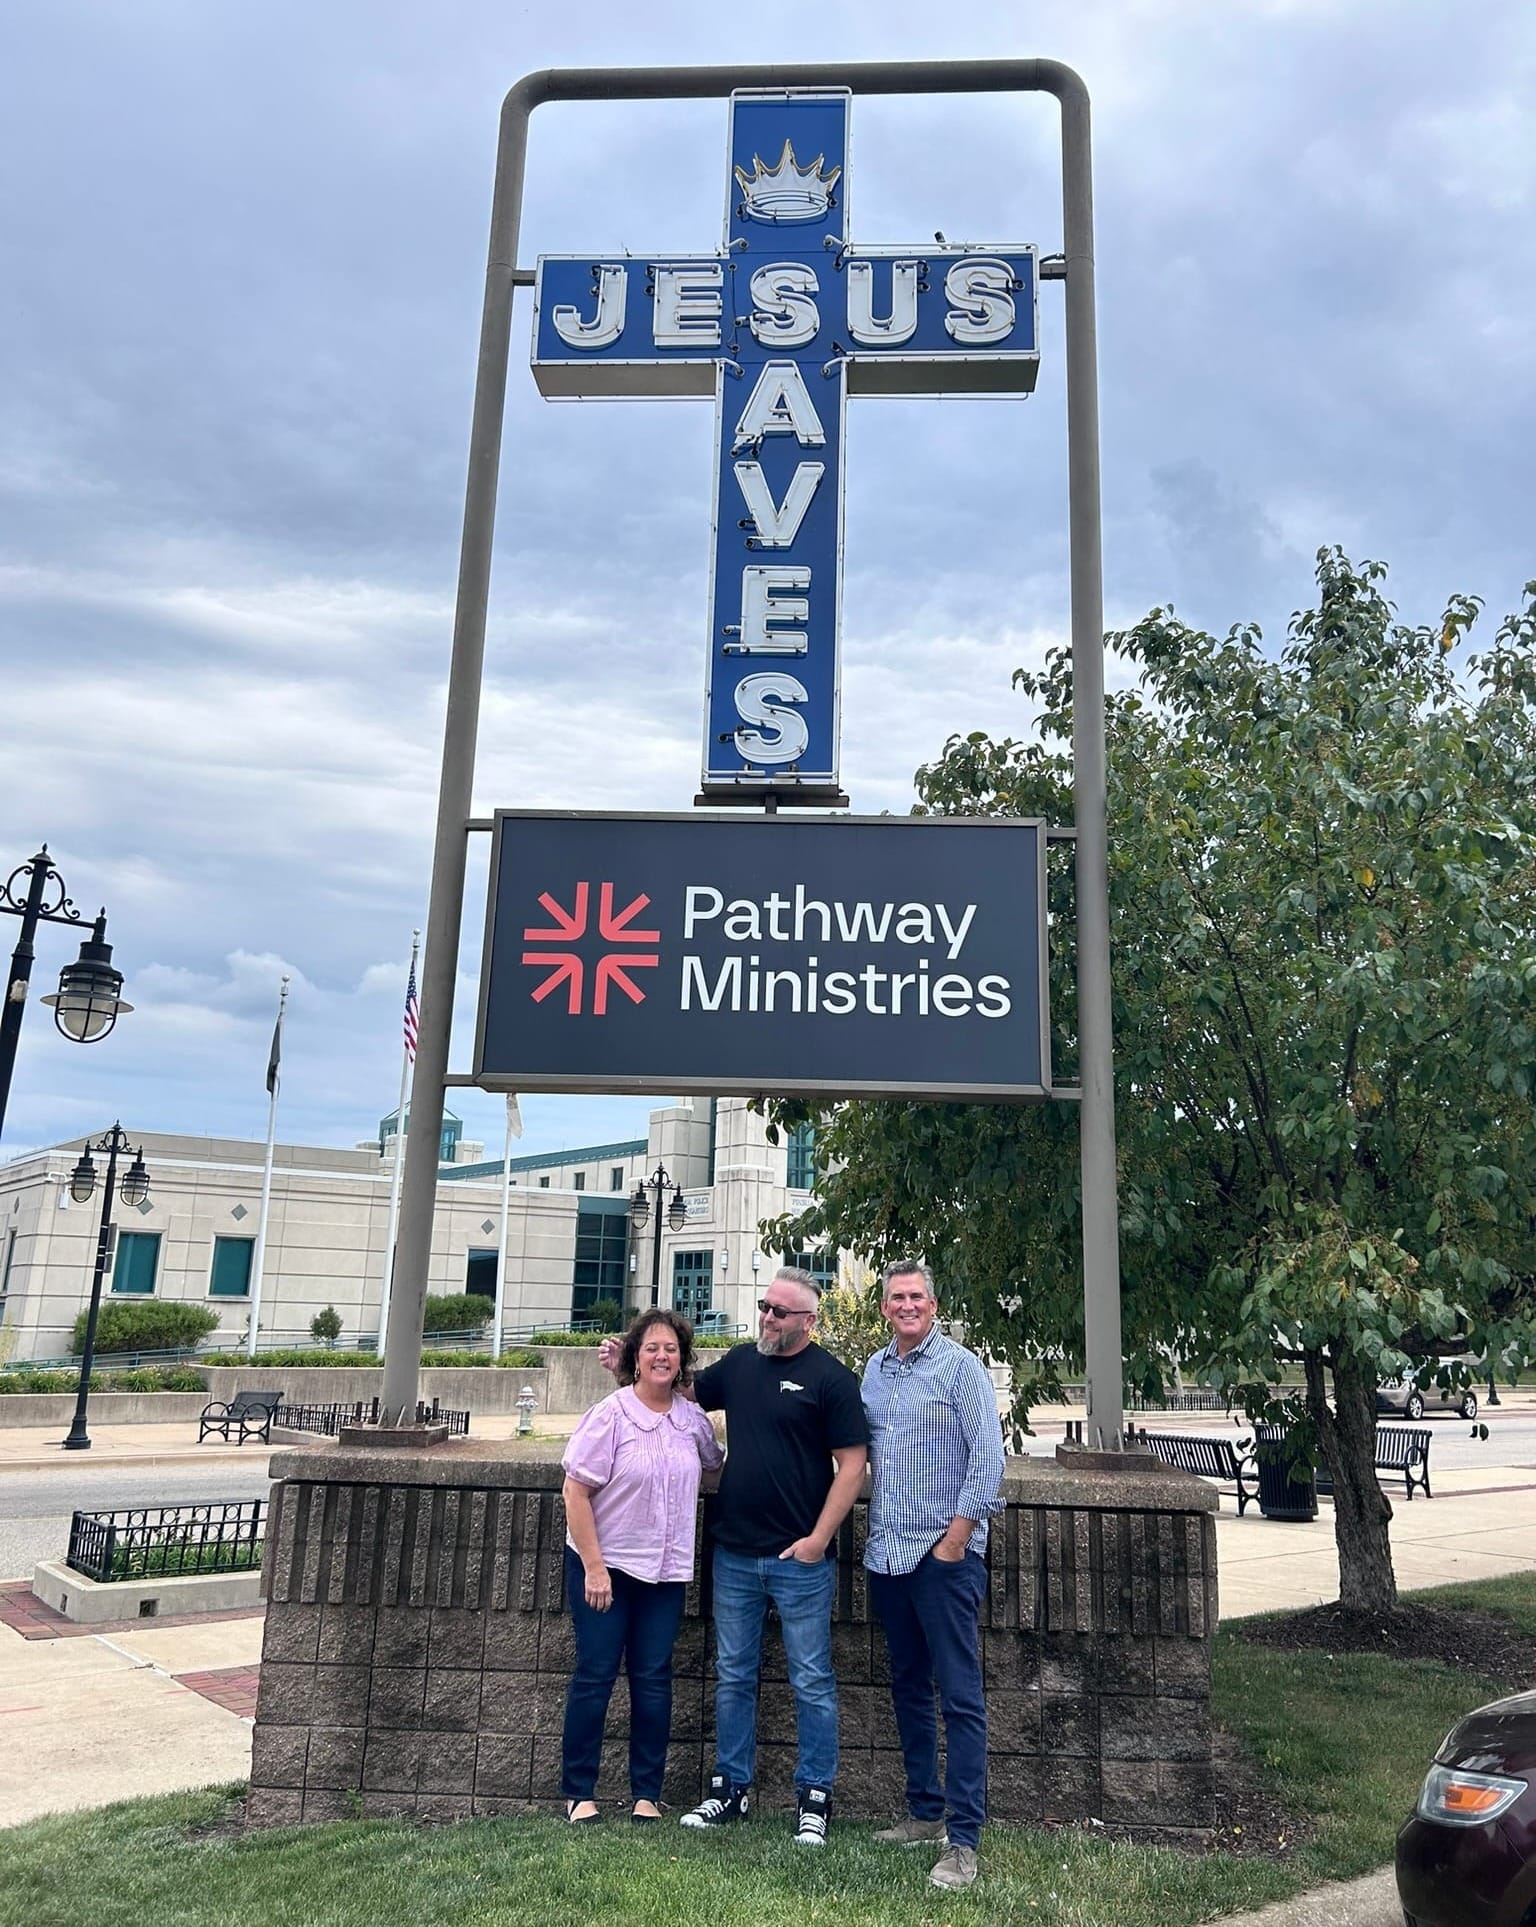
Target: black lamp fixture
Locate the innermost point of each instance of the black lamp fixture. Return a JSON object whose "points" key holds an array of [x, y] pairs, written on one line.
{"points": [[82, 1188], [88, 1001], [641, 1213]]}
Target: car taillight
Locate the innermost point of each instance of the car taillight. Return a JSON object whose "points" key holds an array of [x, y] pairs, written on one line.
{"points": [[1459, 1799]]}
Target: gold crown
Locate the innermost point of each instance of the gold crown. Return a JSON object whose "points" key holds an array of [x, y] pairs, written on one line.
{"points": [[787, 192]]}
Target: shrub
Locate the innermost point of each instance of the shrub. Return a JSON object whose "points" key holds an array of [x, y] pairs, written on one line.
{"points": [[326, 1325], [607, 1314], [156, 1325], [459, 1312], [289, 1356], [519, 1360], [147, 1378], [568, 1338], [850, 1324]]}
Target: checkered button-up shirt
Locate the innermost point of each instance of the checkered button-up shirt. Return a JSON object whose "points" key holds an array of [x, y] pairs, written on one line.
{"points": [[936, 1446]]}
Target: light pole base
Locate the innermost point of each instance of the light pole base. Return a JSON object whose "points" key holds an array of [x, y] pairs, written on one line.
{"points": [[76, 1442]]}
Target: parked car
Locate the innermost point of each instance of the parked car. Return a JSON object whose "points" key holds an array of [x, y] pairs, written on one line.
{"points": [[1467, 1857], [1413, 1400]]}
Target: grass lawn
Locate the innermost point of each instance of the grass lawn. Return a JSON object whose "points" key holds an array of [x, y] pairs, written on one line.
{"points": [[1344, 1741]]}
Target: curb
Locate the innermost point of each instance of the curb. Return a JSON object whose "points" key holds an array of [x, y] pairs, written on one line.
{"points": [[117, 1459]]}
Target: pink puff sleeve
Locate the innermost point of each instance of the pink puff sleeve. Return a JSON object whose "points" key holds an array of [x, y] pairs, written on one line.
{"points": [[711, 1451], [589, 1456]]}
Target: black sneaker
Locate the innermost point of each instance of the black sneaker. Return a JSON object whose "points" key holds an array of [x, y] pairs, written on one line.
{"points": [[721, 1804], [813, 1809]]}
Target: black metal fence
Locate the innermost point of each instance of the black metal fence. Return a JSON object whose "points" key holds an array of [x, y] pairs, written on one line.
{"points": [[164, 1541], [329, 1419]]}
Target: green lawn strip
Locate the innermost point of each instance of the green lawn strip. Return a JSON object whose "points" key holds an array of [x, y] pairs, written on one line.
{"points": [[1345, 1740], [144, 1860]]}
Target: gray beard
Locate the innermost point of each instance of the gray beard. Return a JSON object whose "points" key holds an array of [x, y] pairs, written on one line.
{"points": [[773, 1344]]}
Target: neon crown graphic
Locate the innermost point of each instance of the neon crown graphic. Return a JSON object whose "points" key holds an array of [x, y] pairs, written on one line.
{"points": [[787, 192]]}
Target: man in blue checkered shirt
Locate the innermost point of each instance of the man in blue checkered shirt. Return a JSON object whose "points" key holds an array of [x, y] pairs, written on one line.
{"points": [[936, 1447]]}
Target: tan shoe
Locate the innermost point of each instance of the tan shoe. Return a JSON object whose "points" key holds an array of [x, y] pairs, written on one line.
{"points": [[913, 1833], [956, 1868]]}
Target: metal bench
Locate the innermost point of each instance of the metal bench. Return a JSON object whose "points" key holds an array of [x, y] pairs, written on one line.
{"points": [[1209, 1458], [248, 1415], [1405, 1449]]}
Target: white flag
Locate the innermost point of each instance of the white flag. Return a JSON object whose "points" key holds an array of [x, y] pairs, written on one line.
{"points": [[514, 1117]]}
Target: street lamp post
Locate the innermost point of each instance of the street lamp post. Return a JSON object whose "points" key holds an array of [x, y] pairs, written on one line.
{"points": [[82, 1184], [88, 1001], [641, 1214]]}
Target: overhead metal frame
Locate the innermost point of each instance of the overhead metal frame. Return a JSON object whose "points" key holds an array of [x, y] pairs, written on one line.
{"points": [[1100, 1211]]}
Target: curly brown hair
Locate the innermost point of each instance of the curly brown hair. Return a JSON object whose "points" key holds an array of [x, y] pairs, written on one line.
{"points": [[681, 1330]]}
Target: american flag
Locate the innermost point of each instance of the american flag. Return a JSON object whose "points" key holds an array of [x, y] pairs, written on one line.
{"points": [[412, 1012]]}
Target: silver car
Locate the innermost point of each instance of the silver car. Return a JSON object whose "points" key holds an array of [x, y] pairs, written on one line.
{"points": [[1413, 1400]]}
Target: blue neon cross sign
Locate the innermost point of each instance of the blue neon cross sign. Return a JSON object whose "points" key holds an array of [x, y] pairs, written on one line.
{"points": [[781, 327]]}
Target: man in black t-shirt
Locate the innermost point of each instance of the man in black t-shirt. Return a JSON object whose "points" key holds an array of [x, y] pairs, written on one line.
{"points": [[793, 1413]]}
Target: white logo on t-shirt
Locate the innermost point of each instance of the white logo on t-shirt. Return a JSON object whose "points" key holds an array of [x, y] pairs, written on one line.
{"points": [[789, 1385]]}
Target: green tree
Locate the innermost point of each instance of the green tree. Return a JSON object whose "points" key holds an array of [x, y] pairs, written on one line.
{"points": [[1323, 912], [849, 1322], [155, 1325], [326, 1326]]}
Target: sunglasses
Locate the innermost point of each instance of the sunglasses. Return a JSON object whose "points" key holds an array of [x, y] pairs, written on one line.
{"points": [[771, 1310]]}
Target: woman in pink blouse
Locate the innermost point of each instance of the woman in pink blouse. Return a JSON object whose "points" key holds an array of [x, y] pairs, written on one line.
{"points": [[631, 1490]]}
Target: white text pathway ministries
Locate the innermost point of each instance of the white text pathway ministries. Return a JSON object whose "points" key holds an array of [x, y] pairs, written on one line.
{"points": [[799, 919]]}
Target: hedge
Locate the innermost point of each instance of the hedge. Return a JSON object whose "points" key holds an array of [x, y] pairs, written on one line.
{"points": [[343, 1361], [146, 1378]]}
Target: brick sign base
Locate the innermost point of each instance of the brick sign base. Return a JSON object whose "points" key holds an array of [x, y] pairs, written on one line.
{"points": [[417, 1648]]}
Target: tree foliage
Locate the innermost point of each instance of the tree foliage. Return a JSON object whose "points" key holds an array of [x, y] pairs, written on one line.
{"points": [[456, 1311], [1323, 909]]}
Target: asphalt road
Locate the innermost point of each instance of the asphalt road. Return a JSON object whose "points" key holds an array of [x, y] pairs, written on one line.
{"points": [[35, 1507]]}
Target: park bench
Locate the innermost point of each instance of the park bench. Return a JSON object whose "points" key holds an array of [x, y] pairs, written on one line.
{"points": [[248, 1415], [1405, 1449], [1210, 1458]]}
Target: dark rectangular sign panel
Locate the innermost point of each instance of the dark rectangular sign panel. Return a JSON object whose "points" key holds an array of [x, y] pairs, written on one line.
{"points": [[871, 956]]}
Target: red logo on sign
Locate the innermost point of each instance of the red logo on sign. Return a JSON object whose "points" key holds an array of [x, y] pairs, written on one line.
{"points": [[569, 968]]}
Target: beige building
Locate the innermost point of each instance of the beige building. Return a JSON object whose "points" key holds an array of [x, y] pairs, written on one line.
{"points": [[570, 1241]]}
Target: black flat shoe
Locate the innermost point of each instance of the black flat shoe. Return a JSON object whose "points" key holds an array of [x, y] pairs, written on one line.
{"points": [[586, 1820], [644, 1819]]}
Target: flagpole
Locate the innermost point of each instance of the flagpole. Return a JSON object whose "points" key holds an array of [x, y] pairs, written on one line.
{"points": [[407, 1058], [259, 1256], [514, 1129]]}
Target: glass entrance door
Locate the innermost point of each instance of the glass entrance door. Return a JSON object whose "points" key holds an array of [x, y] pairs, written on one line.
{"points": [[693, 1289]]}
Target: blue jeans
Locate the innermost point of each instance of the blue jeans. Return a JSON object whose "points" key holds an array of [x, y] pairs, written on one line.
{"points": [[803, 1596], [639, 1629], [932, 1619]]}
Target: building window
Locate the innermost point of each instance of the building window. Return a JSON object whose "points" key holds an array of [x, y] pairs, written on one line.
{"points": [[579, 1182], [616, 1177], [231, 1273], [544, 1183], [801, 1172], [601, 1240], [693, 1283], [822, 1265], [138, 1259], [480, 1272]]}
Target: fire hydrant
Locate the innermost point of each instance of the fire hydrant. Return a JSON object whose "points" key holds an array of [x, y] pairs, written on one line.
{"points": [[527, 1405]]}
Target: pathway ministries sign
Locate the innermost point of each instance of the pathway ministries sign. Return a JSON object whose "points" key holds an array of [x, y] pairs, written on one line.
{"points": [[889, 956]]}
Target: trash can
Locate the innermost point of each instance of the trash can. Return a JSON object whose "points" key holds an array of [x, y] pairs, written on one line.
{"points": [[1287, 1489]]}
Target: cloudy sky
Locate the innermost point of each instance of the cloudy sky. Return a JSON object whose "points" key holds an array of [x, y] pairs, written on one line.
{"points": [[241, 259]]}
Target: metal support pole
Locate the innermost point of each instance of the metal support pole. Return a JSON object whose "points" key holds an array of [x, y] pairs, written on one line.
{"points": [[659, 1183], [446, 903], [79, 1439]]}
